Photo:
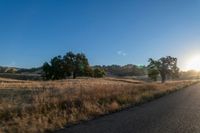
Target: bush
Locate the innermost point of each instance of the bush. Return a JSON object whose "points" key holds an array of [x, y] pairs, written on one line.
{"points": [[99, 73]]}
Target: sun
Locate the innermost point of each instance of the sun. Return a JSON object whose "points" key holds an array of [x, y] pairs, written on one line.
{"points": [[193, 63]]}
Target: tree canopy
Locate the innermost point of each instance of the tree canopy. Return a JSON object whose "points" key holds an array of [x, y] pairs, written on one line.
{"points": [[69, 65], [166, 66], [76, 64]]}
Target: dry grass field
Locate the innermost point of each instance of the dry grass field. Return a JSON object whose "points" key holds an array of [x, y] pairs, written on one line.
{"points": [[40, 106]]}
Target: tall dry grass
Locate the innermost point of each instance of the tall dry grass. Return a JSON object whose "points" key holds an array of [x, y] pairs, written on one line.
{"points": [[35, 107]]}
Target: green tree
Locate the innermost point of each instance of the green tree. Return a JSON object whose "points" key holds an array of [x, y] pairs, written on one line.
{"points": [[167, 66], [81, 64], [47, 71], [98, 73], [88, 72], [54, 70], [57, 65], [70, 64], [153, 73], [76, 64], [175, 72]]}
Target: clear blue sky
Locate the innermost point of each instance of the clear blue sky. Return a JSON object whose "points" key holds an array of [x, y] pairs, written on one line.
{"points": [[107, 31]]}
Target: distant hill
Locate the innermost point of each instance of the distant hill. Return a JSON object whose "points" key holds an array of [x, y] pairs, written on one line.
{"points": [[126, 70], [8, 69], [30, 71], [21, 73], [111, 71], [20, 70]]}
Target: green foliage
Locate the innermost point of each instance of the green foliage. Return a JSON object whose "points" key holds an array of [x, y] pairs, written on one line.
{"points": [[126, 70], [47, 69], [70, 64], [54, 70], [76, 64], [167, 66], [81, 63], [153, 73], [57, 68], [89, 72], [99, 73]]}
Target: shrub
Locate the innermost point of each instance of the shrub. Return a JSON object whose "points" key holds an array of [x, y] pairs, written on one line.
{"points": [[99, 73]]}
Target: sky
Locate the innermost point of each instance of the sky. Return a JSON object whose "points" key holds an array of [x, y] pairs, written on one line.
{"points": [[107, 31]]}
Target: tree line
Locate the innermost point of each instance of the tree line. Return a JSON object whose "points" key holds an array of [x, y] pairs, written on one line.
{"points": [[69, 65], [77, 65]]}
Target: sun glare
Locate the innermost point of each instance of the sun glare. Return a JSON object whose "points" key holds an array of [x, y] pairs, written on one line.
{"points": [[193, 63]]}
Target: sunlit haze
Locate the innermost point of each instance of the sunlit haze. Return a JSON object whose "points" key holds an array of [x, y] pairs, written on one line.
{"points": [[193, 63]]}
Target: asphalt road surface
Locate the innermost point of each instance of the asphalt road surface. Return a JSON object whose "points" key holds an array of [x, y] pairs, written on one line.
{"points": [[178, 112]]}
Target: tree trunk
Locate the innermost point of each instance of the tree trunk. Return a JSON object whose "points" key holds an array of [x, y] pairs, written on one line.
{"points": [[163, 77], [74, 75]]}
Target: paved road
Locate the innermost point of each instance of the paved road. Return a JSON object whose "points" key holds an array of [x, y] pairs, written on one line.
{"points": [[176, 113]]}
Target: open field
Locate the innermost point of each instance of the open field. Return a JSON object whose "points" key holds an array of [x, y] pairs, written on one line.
{"points": [[25, 76], [39, 106]]}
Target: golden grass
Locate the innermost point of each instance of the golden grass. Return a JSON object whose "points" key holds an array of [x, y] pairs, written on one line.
{"points": [[34, 107]]}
